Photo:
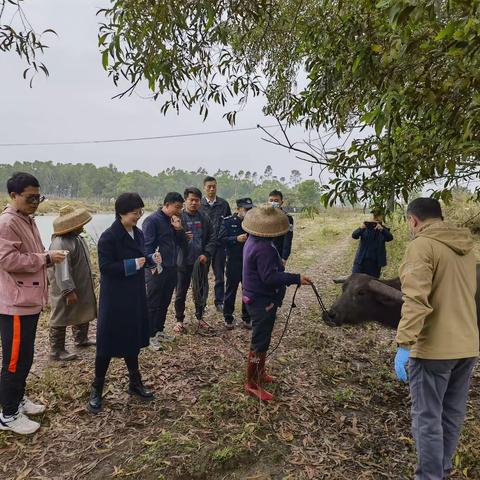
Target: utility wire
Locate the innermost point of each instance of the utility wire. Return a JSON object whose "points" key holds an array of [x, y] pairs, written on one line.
{"points": [[136, 139]]}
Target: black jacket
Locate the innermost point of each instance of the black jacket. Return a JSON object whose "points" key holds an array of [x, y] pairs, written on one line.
{"points": [[122, 326], [216, 213], [209, 239], [284, 243], [159, 232], [374, 240]]}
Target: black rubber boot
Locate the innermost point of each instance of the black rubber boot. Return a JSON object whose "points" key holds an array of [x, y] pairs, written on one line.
{"points": [[137, 388], [94, 405]]}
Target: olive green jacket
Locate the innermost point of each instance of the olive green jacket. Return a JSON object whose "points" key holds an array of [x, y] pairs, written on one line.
{"points": [[438, 275]]}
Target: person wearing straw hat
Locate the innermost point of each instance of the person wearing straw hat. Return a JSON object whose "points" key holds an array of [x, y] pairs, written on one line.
{"points": [[72, 291], [264, 286]]}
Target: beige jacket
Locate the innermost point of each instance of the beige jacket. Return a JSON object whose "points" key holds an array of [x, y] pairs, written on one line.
{"points": [[77, 276], [438, 275]]}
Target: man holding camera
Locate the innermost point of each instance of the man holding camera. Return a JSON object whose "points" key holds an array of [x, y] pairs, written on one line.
{"points": [[371, 254]]}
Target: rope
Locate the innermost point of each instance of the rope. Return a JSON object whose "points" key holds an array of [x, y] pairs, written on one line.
{"points": [[200, 291], [292, 306], [200, 283]]}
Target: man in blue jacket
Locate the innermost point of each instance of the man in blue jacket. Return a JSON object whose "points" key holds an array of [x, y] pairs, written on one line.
{"points": [[200, 246], [371, 254], [163, 231]]}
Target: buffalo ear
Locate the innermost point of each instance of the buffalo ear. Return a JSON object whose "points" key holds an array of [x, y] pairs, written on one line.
{"points": [[385, 293]]}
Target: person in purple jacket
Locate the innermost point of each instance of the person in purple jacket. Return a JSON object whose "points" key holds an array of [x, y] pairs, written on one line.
{"points": [[264, 286]]}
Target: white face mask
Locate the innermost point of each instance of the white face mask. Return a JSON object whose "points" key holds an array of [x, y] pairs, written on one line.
{"points": [[275, 204]]}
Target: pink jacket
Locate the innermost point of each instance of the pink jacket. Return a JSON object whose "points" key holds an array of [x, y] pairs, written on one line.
{"points": [[23, 265]]}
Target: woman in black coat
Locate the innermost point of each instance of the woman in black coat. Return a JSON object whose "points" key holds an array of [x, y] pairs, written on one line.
{"points": [[122, 326]]}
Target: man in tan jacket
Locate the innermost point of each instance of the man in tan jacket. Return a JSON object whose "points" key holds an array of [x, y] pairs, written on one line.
{"points": [[437, 334]]}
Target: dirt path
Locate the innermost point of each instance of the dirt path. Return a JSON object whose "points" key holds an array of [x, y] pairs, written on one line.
{"points": [[338, 413]]}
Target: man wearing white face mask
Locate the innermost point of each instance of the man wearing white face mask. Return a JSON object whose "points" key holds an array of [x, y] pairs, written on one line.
{"points": [[284, 243]]}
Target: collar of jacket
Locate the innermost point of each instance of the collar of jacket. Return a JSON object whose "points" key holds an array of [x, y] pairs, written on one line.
{"points": [[13, 211], [206, 202], [428, 223], [121, 232]]}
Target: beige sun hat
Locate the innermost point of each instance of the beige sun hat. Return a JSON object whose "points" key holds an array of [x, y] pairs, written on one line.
{"points": [[266, 221], [70, 219]]}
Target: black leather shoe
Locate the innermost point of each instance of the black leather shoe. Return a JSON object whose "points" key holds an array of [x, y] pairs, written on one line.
{"points": [[94, 405], [137, 388]]}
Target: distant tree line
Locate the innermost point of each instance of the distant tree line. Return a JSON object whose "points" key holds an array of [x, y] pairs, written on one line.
{"points": [[88, 181]]}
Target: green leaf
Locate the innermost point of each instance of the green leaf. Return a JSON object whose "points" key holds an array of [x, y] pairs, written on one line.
{"points": [[356, 63], [105, 59]]}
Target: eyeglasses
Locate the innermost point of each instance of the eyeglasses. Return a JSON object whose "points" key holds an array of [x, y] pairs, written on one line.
{"points": [[34, 198], [137, 213]]}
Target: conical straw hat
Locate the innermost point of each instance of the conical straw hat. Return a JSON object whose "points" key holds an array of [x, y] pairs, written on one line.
{"points": [[266, 221], [70, 219]]}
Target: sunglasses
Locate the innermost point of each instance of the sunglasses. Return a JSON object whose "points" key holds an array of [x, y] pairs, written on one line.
{"points": [[31, 199]]}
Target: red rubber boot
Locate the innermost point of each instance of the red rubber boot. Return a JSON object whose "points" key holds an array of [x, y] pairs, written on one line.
{"points": [[264, 376], [253, 385]]}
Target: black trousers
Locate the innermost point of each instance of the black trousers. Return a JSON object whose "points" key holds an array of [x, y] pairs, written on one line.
{"points": [[18, 343], [233, 273], [184, 277], [370, 267], [102, 364], [263, 314], [218, 266], [159, 296]]}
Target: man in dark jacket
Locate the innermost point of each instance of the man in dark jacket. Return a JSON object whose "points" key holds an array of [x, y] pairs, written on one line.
{"points": [[164, 233], [216, 209], [284, 243], [200, 247], [371, 254], [233, 237]]}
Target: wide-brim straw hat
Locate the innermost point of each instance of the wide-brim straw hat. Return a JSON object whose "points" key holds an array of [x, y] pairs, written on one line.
{"points": [[266, 221], [70, 219]]}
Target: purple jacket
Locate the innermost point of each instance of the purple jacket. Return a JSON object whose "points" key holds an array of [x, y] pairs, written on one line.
{"points": [[263, 272]]}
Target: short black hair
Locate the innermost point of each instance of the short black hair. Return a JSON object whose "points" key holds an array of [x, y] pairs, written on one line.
{"points": [[209, 179], [127, 202], [19, 181], [425, 208], [173, 197], [192, 191], [276, 193]]}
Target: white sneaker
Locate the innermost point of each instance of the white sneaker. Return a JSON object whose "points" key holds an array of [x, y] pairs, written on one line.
{"points": [[29, 408], [18, 423], [163, 337], [154, 344]]}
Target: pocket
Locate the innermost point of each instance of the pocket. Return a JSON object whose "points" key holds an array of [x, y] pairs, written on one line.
{"points": [[28, 295]]}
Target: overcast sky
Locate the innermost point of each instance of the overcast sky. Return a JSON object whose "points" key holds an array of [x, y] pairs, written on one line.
{"points": [[75, 103]]}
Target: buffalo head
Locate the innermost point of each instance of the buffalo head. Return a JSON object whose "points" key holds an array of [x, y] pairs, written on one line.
{"points": [[364, 298]]}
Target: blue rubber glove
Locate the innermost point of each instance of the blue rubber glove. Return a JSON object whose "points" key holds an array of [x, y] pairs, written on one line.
{"points": [[401, 359]]}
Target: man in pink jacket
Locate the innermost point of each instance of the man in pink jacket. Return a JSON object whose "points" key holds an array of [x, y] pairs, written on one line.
{"points": [[23, 294]]}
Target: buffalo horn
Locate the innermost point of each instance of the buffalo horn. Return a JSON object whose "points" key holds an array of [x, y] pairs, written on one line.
{"points": [[340, 280], [386, 291]]}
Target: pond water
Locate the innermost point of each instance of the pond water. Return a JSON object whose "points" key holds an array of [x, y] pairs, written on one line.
{"points": [[95, 228]]}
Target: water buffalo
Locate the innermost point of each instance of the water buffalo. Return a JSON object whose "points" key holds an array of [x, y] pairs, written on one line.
{"points": [[365, 298]]}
